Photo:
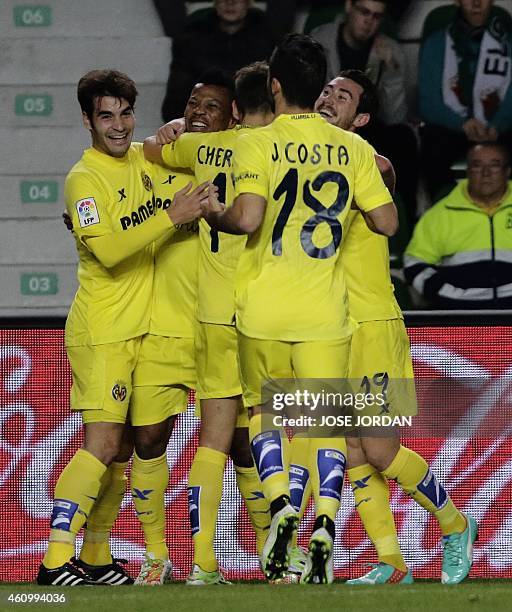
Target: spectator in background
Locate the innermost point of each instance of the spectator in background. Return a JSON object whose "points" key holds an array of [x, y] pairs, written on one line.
{"points": [[464, 91], [229, 36], [394, 12], [460, 255], [354, 41], [173, 15]]}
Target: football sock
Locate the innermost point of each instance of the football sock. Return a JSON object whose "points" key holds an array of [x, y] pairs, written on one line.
{"points": [[149, 479], [204, 492], [371, 497], [96, 547], [270, 452], [327, 461], [414, 476], [76, 491], [256, 503], [300, 482]]}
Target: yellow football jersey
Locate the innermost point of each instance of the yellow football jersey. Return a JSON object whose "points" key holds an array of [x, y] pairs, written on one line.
{"points": [[106, 195], [289, 285], [209, 156], [173, 312], [365, 261]]}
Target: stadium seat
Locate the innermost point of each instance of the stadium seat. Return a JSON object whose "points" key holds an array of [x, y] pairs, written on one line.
{"points": [[36, 290], [40, 60], [56, 105], [87, 18]]}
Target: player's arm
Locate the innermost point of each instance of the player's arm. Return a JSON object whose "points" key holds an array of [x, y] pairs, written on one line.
{"points": [[167, 133], [170, 131], [249, 171], [383, 219], [110, 247], [178, 154], [372, 196], [244, 217], [387, 172], [153, 150]]}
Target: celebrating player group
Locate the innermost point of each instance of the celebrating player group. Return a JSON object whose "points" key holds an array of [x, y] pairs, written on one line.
{"points": [[243, 244]]}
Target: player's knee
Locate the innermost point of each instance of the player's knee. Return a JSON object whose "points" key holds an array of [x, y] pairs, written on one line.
{"points": [[218, 439], [240, 450], [355, 453], [105, 450], [151, 441], [379, 457], [103, 441]]}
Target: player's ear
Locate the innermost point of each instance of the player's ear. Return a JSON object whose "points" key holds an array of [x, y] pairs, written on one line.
{"points": [[275, 86], [86, 121], [361, 120], [235, 112]]}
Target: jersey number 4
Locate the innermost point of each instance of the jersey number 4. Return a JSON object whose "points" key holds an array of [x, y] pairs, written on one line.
{"points": [[289, 186], [220, 182]]}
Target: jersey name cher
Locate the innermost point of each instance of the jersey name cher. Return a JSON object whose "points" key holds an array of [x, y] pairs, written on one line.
{"points": [[214, 156]]}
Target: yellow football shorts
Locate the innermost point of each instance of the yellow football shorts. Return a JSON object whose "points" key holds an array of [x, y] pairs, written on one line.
{"points": [[162, 378], [380, 360], [217, 361], [218, 373], [265, 360], [102, 379]]}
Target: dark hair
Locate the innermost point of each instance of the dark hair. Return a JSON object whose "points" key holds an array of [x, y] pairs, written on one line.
{"points": [[251, 91], [218, 78], [99, 83], [369, 100], [299, 64], [492, 144]]}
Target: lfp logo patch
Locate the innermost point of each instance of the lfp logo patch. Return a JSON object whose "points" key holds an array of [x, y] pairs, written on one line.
{"points": [[87, 212]]}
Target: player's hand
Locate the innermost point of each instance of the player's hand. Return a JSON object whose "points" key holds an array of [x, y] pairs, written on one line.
{"points": [[67, 221], [187, 205], [170, 131], [212, 205]]}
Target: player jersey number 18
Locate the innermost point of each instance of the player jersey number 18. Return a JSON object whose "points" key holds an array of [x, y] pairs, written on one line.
{"points": [[289, 186]]}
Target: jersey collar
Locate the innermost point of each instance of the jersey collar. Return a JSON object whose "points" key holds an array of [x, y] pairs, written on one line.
{"points": [[297, 117]]}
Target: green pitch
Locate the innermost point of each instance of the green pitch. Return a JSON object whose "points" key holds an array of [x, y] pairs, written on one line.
{"points": [[472, 596]]}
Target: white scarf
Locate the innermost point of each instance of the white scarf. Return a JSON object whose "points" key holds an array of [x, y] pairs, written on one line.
{"points": [[493, 76]]}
